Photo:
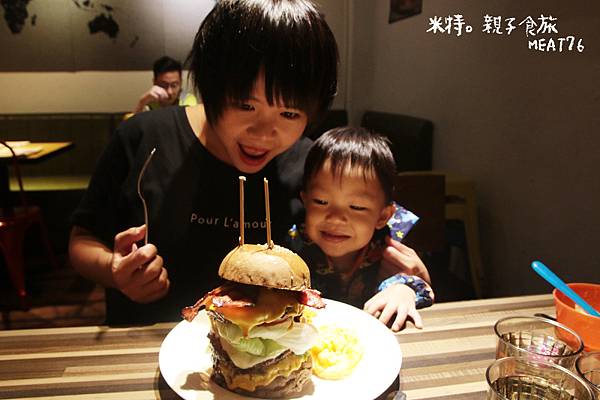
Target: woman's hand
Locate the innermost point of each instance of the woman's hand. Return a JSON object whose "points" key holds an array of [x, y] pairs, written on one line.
{"points": [[138, 272], [396, 299], [399, 258]]}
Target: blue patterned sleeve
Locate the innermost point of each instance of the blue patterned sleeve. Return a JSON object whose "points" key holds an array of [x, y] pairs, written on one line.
{"points": [[401, 222]]}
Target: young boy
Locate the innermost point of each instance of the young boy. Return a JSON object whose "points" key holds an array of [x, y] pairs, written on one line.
{"points": [[348, 187], [265, 69]]}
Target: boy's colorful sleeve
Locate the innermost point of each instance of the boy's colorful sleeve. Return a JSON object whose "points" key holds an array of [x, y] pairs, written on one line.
{"points": [[423, 294], [401, 222], [294, 240]]}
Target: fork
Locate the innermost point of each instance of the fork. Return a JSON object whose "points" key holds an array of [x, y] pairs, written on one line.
{"points": [[140, 194]]}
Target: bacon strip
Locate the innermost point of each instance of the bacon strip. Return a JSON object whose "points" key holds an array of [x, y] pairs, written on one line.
{"points": [[311, 298], [190, 312], [222, 297], [232, 296], [227, 301]]}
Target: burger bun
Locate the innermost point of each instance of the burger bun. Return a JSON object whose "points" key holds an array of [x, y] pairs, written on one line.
{"points": [[277, 267]]}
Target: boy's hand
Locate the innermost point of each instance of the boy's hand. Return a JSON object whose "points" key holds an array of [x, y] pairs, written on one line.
{"points": [[398, 257], [138, 272], [396, 299]]}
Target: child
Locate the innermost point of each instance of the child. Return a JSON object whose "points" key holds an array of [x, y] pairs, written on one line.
{"points": [[348, 187], [265, 69]]}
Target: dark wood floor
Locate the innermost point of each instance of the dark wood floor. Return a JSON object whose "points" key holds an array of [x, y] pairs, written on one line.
{"points": [[56, 298]]}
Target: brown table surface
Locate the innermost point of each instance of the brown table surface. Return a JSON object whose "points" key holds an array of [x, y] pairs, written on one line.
{"points": [[46, 149], [445, 360]]}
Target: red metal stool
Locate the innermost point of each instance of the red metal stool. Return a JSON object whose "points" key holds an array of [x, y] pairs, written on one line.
{"points": [[14, 224]]}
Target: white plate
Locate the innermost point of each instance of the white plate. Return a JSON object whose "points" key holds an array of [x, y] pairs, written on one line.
{"points": [[185, 362]]}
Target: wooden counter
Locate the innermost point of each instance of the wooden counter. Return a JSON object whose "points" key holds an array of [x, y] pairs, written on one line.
{"points": [[445, 360]]}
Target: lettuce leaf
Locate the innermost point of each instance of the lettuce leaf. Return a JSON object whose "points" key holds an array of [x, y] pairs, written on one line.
{"points": [[272, 339], [300, 338], [259, 347], [231, 332], [243, 359]]}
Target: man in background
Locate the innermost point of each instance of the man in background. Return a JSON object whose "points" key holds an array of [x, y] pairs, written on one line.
{"points": [[166, 89]]}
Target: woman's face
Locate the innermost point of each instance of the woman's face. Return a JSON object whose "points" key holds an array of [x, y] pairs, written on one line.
{"points": [[250, 134]]}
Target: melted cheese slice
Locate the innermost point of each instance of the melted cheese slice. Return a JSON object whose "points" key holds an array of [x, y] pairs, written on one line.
{"points": [[250, 382], [270, 306]]}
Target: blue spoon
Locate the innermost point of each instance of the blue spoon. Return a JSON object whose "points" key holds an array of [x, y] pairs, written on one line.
{"points": [[555, 281]]}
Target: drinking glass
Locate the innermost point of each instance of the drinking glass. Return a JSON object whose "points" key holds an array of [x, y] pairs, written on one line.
{"points": [[539, 339], [588, 367], [520, 378]]}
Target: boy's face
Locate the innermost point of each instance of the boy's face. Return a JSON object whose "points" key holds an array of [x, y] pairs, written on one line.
{"points": [[250, 134], [343, 212]]}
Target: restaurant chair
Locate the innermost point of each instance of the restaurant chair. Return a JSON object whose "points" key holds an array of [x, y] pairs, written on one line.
{"points": [[417, 191], [424, 195], [15, 221], [411, 138], [461, 205], [333, 119]]}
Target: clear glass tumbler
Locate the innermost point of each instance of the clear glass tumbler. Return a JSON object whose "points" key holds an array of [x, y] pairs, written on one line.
{"points": [[538, 339], [520, 378], [588, 367]]}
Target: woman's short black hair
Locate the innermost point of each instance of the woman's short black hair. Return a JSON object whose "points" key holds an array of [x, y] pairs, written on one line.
{"points": [[355, 148], [288, 40], [165, 64]]}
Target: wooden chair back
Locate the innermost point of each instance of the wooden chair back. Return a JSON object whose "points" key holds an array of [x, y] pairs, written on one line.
{"points": [[411, 138], [424, 195]]}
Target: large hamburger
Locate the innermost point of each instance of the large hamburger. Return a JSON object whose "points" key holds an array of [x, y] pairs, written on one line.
{"points": [[259, 338]]}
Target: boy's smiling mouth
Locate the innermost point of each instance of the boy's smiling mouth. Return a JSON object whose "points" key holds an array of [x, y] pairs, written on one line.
{"points": [[333, 236]]}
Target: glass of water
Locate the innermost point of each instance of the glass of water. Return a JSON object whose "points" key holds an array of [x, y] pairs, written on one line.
{"points": [[520, 378], [588, 367], [538, 339]]}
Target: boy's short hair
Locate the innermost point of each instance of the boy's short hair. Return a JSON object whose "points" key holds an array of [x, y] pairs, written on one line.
{"points": [[353, 147], [287, 39], [165, 64]]}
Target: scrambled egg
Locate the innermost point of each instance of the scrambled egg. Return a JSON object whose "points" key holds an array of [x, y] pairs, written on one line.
{"points": [[336, 353]]}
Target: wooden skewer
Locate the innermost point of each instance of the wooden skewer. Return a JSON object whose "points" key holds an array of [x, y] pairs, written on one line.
{"points": [[242, 180], [268, 209]]}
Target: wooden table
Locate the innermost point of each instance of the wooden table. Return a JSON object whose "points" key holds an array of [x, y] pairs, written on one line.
{"points": [[446, 360], [28, 153], [38, 150]]}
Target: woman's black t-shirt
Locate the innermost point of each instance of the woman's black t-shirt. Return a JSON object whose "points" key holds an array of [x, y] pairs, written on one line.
{"points": [[193, 206]]}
